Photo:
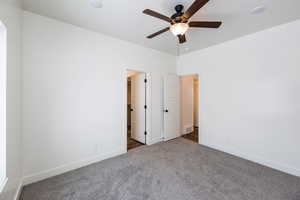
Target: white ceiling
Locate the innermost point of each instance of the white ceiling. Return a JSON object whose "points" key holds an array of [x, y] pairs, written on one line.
{"points": [[124, 19]]}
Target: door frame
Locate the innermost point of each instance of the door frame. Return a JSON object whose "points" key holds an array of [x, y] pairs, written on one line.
{"points": [[148, 110], [199, 102]]}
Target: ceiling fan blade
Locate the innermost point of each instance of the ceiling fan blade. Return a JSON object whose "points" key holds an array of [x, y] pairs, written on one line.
{"points": [[194, 8], [205, 24], [157, 15], [158, 32], [181, 38]]}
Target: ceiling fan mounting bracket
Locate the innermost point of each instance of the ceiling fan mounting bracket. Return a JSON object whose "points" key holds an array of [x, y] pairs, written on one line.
{"points": [[177, 16], [179, 8]]}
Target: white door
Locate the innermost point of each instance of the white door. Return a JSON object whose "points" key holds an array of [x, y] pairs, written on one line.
{"points": [[138, 114], [171, 107]]}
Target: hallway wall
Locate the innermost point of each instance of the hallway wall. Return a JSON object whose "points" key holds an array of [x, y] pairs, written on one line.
{"points": [[196, 102], [187, 104]]}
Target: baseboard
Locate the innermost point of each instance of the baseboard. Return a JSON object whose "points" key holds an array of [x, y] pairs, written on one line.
{"points": [[187, 129], [32, 178], [274, 165], [2, 184], [19, 191], [154, 141], [12, 189]]}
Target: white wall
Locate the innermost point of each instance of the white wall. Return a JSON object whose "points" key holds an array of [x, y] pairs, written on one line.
{"points": [[250, 96], [73, 85], [187, 103], [10, 16], [2, 106]]}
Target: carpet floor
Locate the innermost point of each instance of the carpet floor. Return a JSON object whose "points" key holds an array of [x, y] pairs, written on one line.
{"points": [[176, 170]]}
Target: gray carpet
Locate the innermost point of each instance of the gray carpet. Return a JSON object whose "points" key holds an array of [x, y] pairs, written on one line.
{"points": [[175, 170]]}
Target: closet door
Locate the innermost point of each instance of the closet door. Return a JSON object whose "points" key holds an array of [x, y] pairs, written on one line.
{"points": [[138, 114]]}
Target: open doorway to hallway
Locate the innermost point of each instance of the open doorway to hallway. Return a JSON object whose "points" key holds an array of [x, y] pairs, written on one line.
{"points": [[189, 94], [136, 112]]}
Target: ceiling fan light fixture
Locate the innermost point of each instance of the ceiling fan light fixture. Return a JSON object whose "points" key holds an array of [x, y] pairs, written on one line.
{"points": [[179, 28], [180, 20]]}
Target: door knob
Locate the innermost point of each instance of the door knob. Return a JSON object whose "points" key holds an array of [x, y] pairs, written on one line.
{"points": [[131, 109], [166, 110]]}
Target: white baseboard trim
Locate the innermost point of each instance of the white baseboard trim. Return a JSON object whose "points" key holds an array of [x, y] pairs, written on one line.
{"points": [[32, 178], [13, 188], [256, 159], [2, 185], [187, 129], [154, 141], [19, 191]]}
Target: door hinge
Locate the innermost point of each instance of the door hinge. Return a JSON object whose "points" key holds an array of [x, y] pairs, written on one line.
{"points": [[145, 133], [145, 106], [145, 80]]}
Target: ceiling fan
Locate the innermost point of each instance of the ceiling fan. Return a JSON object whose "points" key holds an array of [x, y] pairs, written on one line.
{"points": [[180, 20]]}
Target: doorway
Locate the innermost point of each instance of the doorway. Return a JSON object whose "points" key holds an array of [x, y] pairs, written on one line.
{"points": [[189, 103], [136, 109]]}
